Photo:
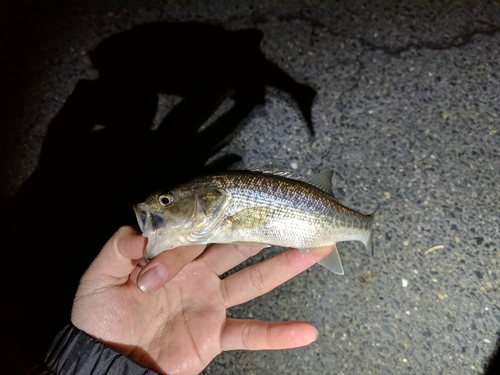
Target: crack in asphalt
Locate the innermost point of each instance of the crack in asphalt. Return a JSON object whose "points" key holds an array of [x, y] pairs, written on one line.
{"points": [[462, 39]]}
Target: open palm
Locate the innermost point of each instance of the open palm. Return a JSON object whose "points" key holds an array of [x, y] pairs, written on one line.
{"points": [[182, 326]]}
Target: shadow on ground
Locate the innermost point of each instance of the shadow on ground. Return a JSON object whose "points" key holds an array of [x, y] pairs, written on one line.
{"points": [[87, 180], [493, 366]]}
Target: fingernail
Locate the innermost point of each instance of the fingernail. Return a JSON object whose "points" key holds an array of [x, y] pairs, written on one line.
{"points": [[152, 279]]}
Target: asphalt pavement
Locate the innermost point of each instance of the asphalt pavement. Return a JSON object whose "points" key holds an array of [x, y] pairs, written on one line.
{"points": [[407, 114]]}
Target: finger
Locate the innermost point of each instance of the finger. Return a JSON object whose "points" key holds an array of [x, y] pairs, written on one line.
{"points": [[251, 334], [260, 278], [222, 257], [118, 257], [165, 266]]}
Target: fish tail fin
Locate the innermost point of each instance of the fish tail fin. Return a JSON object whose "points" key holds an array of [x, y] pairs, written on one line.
{"points": [[367, 241], [328, 257]]}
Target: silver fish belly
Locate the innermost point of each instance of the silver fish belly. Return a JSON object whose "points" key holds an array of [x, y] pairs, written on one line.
{"points": [[254, 207]]}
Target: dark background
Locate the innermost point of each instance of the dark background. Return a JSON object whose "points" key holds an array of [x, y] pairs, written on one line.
{"points": [[406, 113]]}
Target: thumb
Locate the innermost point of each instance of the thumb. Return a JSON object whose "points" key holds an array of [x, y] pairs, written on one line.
{"points": [[165, 266], [118, 258]]}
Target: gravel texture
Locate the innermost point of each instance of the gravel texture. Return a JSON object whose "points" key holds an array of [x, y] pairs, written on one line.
{"points": [[408, 116]]}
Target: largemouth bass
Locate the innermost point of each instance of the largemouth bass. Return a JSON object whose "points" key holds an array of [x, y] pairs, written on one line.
{"points": [[255, 207]]}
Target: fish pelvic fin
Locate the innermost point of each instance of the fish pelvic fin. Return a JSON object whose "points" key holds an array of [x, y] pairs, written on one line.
{"points": [[328, 257], [367, 241]]}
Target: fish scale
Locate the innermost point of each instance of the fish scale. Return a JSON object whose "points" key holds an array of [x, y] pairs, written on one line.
{"points": [[318, 217], [257, 207]]}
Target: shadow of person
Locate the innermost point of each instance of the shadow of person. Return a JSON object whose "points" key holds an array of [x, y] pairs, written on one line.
{"points": [[493, 365], [87, 180]]}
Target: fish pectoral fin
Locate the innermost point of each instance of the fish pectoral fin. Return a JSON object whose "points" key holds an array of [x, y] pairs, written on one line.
{"points": [[251, 217], [328, 257]]}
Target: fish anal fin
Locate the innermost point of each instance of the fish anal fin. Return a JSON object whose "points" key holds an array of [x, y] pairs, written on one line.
{"points": [[328, 257]]}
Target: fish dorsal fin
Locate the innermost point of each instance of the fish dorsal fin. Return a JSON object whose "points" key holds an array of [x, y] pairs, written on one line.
{"points": [[322, 181], [276, 173], [328, 257]]}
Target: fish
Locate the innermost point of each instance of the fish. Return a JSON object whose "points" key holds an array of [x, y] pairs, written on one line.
{"points": [[255, 207]]}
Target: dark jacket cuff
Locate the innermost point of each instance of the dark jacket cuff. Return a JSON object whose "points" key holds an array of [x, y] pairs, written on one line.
{"points": [[73, 352]]}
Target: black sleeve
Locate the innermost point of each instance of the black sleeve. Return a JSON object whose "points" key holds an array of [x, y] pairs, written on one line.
{"points": [[73, 352]]}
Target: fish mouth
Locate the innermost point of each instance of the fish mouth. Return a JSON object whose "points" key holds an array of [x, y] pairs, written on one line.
{"points": [[147, 219]]}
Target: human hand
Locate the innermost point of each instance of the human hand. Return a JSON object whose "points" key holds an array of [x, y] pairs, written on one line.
{"points": [[178, 323]]}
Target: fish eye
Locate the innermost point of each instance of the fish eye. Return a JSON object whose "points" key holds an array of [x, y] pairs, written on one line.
{"points": [[165, 199]]}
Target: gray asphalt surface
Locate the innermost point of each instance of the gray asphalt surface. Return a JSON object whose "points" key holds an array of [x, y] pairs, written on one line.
{"points": [[408, 116]]}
